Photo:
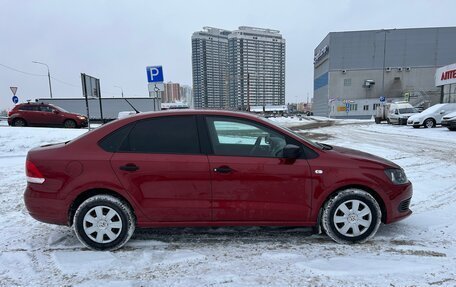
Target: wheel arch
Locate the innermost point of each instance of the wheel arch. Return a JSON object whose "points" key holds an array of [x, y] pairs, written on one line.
{"points": [[92, 192], [367, 189]]}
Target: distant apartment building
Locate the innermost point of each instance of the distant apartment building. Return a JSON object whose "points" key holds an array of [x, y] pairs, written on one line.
{"points": [[186, 94], [238, 69], [171, 93], [256, 67], [210, 68]]}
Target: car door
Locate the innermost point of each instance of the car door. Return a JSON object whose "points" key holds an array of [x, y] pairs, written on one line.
{"points": [[250, 179], [160, 164], [31, 113], [46, 115]]}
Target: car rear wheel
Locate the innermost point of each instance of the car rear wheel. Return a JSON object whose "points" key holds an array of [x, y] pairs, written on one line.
{"points": [[19, 123], [429, 123], [351, 216], [104, 222], [69, 124]]}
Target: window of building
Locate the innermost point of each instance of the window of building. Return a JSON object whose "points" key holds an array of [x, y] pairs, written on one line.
{"points": [[347, 82], [353, 107], [365, 107], [375, 106]]}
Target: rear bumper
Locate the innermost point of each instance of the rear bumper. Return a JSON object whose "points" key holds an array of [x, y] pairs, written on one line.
{"points": [[399, 202], [45, 206]]}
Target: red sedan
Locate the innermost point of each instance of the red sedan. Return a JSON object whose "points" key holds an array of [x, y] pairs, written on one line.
{"points": [[209, 168]]}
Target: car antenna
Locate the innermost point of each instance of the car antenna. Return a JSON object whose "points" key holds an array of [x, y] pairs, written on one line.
{"points": [[132, 106]]}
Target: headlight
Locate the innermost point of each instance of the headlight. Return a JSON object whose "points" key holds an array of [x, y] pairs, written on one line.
{"points": [[81, 117], [397, 176]]}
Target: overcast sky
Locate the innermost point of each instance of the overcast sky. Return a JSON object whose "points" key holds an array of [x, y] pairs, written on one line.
{"points": [[116, 40]]}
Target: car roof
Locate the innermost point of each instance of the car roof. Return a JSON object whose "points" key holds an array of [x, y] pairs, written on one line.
{"points": [[178, 112]]}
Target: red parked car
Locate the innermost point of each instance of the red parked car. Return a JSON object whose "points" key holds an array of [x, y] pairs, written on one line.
{"points": [[41, 114], [209, 168]]}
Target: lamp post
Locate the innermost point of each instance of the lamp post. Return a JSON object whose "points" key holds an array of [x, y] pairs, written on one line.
{"points": [[120, 89], [49, 76]]}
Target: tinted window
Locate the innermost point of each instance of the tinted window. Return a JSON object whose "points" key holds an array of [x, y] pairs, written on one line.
{"points": [[112, 142], [47, 109], [177, 134], [29, 108], [244, 138]]}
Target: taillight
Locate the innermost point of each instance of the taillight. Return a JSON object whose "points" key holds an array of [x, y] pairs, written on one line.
{"points": [[32, 172]]}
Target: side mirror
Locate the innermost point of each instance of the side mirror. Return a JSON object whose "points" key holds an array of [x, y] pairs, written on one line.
{"points": [[396, 112], [291, 151], [55, 111]]}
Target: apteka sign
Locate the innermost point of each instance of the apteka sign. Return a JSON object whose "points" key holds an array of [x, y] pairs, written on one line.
{"points": [[445, 75]]}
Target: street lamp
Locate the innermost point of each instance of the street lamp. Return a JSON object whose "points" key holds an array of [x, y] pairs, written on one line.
{"points": [[120, 89], [49, 76]]}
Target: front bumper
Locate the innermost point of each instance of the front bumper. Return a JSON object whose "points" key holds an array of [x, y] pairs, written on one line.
{"points": [[399, 202], [449, 124]]}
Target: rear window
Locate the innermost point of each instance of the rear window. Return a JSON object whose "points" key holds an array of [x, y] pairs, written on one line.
{"points": [[112, 142], [169, 135]]}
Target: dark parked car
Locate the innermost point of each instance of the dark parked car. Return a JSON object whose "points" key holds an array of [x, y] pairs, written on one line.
{"points": [[209, 168], [41, 114]]}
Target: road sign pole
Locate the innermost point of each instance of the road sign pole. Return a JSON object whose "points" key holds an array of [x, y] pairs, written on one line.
{"points": [[99, 99], [84, 91]]}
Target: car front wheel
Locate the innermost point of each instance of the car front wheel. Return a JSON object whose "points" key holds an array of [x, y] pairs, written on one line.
{"points": [[429, 123], [351, 216], [104, 222]]}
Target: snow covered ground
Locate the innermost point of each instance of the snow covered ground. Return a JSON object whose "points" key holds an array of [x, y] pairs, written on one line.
{"points": [[419, 251]]}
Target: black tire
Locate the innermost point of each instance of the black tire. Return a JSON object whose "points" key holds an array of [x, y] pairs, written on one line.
{"points": [[452, 129], [19, 122], [70, 124], [96, 235], [429, 123], [359, 226]]}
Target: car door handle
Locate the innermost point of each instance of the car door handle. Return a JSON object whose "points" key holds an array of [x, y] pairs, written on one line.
{"points": [[223, 169], [129, 167]]}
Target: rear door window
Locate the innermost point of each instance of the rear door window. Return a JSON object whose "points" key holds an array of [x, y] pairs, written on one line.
{"points": [[163, 135]]}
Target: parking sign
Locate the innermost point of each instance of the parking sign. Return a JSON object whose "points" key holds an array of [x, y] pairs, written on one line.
{"points": [[154, 74]]}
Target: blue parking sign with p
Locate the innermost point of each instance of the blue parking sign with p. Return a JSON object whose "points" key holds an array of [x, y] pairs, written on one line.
{"points": [[154, 74]]}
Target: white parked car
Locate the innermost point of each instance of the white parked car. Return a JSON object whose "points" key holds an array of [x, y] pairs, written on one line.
{"points": [[449, 121], [431, 116], [125, 114], [399, 112]]}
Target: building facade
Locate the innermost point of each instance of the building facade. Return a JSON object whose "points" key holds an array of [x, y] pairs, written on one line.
{"points": [[238, 69], [210, 68], [354, 71], [171, 93], [256, 68]]}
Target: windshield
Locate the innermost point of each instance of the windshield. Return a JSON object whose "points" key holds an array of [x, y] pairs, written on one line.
{"points": [[432, 109], [407, 111], [60, 109]]}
